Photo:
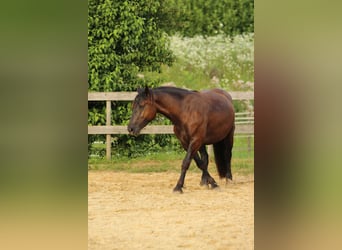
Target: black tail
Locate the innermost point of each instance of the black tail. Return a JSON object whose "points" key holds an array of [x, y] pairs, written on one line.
{"points": [[223, 155], [221, 158]]}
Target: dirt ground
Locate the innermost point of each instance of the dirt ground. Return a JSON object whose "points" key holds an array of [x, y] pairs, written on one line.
{"points": [[140, 211]]}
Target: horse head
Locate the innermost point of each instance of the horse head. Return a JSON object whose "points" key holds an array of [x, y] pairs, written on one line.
{"points": [[144, 111]]}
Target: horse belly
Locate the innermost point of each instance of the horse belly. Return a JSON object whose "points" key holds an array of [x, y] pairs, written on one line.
{"points": [[218, 129]]}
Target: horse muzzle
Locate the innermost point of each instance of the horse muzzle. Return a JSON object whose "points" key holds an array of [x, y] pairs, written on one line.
{"points": [[133, 130]]}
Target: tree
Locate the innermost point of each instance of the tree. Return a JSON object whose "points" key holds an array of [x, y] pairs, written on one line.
{"points": [[123, 40]]}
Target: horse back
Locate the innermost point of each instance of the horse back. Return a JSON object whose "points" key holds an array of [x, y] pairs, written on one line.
{"points": [[219, 99], [224, 93], [205, 104]]}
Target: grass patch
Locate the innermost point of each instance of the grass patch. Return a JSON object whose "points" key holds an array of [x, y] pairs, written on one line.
{"points": [[243, 166], [166, 161], [163, 161], [158, 162]]}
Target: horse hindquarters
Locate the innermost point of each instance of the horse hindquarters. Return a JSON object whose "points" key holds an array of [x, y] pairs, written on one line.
{"points": [[223, 155]]}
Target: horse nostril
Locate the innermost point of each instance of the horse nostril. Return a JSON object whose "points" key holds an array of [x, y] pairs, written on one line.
{"points": [[130, 129]]}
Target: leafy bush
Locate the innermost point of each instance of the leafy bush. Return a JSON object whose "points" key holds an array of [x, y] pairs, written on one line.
{"points": [[207, 17], [123, 40]]}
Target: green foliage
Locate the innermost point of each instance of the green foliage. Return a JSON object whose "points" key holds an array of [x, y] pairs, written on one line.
{"points": [[132, 147], [216, 61], [207, 17], [123, 40]]}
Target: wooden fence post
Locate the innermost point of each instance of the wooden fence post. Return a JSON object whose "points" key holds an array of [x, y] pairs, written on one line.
{"points": [[108, 136]]}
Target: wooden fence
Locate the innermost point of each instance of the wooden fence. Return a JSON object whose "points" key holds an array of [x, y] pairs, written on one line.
{"points": [[244, 121]]}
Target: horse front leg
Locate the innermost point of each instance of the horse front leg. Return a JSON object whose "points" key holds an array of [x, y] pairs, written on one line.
{"points": [[185, 167], [192, 150]]}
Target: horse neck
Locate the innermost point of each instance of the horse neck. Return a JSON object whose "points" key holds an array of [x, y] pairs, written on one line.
{"points": [[167, 105]]}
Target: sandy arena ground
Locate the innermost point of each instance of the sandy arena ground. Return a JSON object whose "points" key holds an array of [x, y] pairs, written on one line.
{"points": [[139, 211]]}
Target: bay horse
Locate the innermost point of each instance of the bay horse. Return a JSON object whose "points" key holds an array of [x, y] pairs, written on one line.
{"points": [[199, 119]]}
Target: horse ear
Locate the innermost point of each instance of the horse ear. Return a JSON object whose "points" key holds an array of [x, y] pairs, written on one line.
{"points": [[148, 93], [140, 90]]}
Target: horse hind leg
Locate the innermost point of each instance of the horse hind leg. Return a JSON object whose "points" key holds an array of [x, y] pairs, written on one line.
{"points": [[202, 163]]}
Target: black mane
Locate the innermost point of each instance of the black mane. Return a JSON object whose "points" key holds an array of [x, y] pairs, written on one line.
{"points": [[176, 92]]}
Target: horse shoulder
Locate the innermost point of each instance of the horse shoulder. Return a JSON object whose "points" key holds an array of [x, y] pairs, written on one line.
{"points": [[192, 116], [195, 109]]}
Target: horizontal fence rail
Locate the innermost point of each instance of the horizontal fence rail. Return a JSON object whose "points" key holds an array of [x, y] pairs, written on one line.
{"points": [[129, 96], [244, 121], [155, 129]]}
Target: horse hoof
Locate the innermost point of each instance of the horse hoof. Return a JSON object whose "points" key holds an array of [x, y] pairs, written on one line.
{"points": [[203, 183], [214, 185], [229, 180], [178, 189]]}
